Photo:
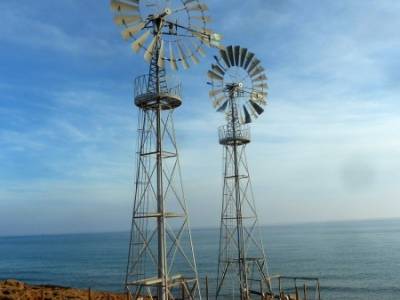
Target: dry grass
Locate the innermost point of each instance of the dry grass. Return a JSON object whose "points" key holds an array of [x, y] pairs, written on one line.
{"points": [[16, 290]]}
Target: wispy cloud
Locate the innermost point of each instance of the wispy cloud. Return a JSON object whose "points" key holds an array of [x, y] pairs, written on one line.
{"points": [[26, 27], [326, 147]]}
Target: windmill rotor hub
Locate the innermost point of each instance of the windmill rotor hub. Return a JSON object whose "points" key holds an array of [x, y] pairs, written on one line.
{"points": [[234, 86], [167, 11]]}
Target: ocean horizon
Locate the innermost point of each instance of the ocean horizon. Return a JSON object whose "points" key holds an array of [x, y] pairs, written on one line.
{"points": [[353, 259]]}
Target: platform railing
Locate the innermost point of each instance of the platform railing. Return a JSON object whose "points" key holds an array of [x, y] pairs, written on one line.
{"points": [[141, 88], [226, 133], [282, 288], [296, 287]]}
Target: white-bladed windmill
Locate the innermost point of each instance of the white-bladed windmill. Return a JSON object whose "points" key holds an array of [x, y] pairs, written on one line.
{"points": [[239, 87], [161, 261]]}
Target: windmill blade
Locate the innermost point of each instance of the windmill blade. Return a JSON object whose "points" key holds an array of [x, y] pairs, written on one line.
{"points": [[230, 55], [139, 43], [259, 110], [223, 107], [201, 51], [249, 57], [197, 7], [217, 102], [262, 77], [258, 97], [188, 1], [253, 65], [219, 63], [202, 36], [214, 93], [198, 49], [207, 36], [161, 62], [217, 44], [172, 59], [237, 55], [205, 32], [217, 69], [182, 57], [133, 1], [148, 54], [192, 55], [194, 58], [205, 19], [123, 6], [126, 20], [260, 94], [225, 58], [215, 76], [261, 85], [257, 71], [253, 112], [131, 31], [243, 53], [247, 118]]}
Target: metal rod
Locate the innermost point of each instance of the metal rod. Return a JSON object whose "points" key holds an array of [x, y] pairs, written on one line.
{"points": [[183, 291], [162, 266], [239, 226]]}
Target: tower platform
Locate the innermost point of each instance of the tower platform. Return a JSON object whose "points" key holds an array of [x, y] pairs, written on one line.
{"points": [[146, 97], [227, 137]]}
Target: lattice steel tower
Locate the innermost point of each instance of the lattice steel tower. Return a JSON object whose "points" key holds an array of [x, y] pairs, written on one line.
{"points": [[239, 89], [161, 262]]}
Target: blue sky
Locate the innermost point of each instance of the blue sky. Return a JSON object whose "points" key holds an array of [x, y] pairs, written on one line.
{"points": [[327, 148]]}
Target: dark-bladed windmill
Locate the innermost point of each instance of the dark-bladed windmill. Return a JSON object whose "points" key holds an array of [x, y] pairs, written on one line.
{"points": [[161, 261], [239, 87]]}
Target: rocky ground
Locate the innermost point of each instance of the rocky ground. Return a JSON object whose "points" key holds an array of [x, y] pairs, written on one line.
{"points": [[17, 290]]}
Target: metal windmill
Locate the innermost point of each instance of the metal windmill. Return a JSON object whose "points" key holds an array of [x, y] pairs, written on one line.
{"points": [[161, 261], [239, 90]]}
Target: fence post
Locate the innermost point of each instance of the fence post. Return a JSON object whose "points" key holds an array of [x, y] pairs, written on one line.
{"points": [[305, 291], [41, 293], [206, 287], [279, 284], [90, 294]]}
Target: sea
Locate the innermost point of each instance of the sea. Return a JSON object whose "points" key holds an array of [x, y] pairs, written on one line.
{"points": [[353, 259]]}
